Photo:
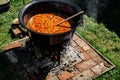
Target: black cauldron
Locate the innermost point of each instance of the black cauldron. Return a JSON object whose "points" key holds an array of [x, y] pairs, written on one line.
{"points": [[42, 6]]}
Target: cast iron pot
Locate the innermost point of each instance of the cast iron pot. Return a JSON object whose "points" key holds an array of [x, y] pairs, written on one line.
{"points": [[4, 6], [43, 6]]}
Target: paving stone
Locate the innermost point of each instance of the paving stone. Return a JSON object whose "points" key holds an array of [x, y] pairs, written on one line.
{"points": [[66, 74], [52, 78], [86, 47], [80, 42], [85, 75], [75, 37], [98, 59], [99, 68], [12, 45], [74, 44], [80, 49], [92, 53], [50, 74], [85, 65], [76, 62], [84, 56]]}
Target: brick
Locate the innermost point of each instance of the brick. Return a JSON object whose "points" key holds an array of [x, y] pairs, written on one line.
{"points": [[85, 65], [86, 47], [66, 75], [80, 49], [75, 37], [80, 42], [52, 78], [12, 45], [73, 44], [85, 75], [92, 53], [99, 68], [50, 74], [84, 56], [98, 59], [78, 61]]}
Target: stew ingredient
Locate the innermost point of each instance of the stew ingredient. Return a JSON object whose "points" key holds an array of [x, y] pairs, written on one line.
{"points": [[46, 23]]}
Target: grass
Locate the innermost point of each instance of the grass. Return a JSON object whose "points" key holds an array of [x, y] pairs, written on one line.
{"points": [[107, 42]]}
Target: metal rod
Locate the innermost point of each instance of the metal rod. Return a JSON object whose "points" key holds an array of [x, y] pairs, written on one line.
{"points": [[70, 17]]}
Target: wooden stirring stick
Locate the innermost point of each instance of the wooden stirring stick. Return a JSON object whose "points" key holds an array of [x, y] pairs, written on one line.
{"points": [[70, 17]]}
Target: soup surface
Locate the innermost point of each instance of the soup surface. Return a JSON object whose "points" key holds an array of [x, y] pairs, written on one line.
{"points": [[46, 23]]}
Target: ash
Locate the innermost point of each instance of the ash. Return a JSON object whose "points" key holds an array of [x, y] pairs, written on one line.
{"points": [[68, 56]]}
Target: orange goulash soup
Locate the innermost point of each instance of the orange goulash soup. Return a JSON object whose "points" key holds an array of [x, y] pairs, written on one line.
{"points": [[46, 23]]}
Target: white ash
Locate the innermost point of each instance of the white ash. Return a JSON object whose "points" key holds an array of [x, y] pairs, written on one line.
{"points": [[69, 56]]}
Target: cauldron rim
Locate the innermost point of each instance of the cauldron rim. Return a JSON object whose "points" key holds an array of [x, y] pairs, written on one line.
{"points": [[21, 17]]}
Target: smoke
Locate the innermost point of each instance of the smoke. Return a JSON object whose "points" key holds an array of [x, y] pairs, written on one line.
{"points": [[94, 7]]}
